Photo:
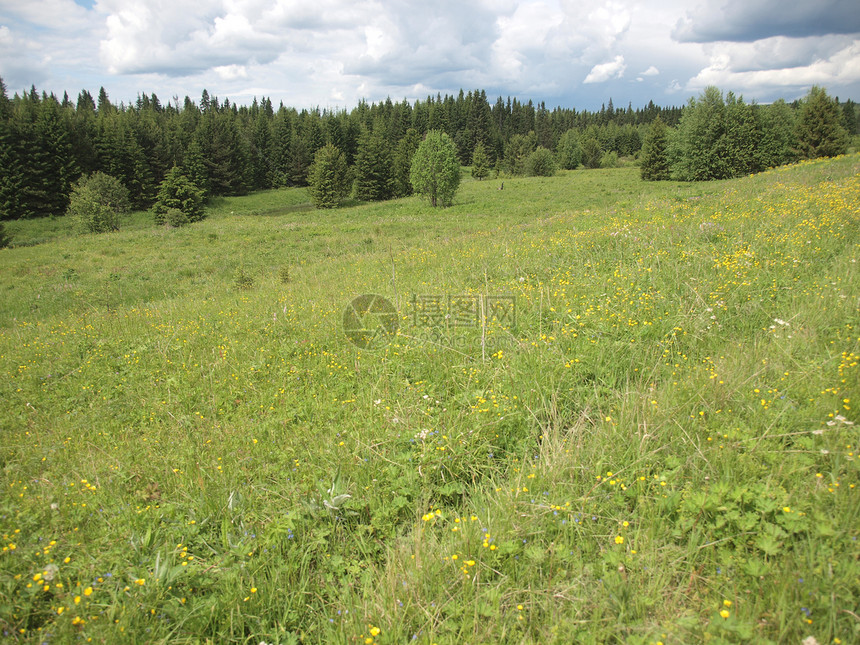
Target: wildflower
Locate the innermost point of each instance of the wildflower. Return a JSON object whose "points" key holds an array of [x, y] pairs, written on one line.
{"points": [[374, 631], [619, 539], [140, 581], [724, 613]]}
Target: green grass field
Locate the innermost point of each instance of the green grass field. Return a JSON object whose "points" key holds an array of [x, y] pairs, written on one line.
{"points": [[653, 440]]}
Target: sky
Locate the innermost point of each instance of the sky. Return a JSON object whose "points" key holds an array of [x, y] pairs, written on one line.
{"points": [[333, 53]]}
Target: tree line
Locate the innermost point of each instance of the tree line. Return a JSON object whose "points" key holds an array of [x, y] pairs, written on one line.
{"points": [[49, 143]]}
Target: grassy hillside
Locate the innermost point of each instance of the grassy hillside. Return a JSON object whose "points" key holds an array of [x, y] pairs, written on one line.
{"points": [[652, 441]]}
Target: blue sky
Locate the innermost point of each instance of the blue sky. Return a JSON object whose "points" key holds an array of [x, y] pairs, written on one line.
{"points": [[332, 53]]}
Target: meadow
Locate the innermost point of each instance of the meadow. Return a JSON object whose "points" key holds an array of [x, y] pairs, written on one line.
{"points": [[655, 440]]}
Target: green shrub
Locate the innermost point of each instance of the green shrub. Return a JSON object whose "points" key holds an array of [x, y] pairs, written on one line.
{"points": [[96, 202], [175, 218], [5, 239], [609, 160], [540, 163]]}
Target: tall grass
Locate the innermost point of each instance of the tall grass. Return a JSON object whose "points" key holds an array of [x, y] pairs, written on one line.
{"points": [[660, 448]]}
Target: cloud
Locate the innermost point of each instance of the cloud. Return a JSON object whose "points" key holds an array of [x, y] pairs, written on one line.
{"points": [[605, 71], [180, 37], [651, 71], [842, 68], [750, 20]]}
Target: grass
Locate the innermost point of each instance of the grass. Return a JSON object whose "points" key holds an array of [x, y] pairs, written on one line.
{"points": [[660, 448]]}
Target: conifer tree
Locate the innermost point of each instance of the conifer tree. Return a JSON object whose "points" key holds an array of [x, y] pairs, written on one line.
{"points": [[480, 161], [11, 168], [655, 156], [177, 192], [328, 179], [373, 181], [819, 129], [402, 163], [696, 152]]}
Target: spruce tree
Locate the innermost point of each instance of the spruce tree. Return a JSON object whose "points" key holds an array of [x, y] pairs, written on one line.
{"points": [[177, 192], [11, 169], [328, 178], [655, 157], [373, 180], [819, 130], [5, 238], [480, 161], [402, 163]]}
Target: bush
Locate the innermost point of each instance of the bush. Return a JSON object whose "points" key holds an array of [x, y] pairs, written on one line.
{"points": [[175, 218], [5, 239], [96, 203], [540, 163], [178, 192], [609, 160]]}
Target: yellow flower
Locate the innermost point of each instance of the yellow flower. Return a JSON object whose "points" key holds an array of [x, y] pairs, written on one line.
{"points": [[724, 613], [727, 603], [619, 539], [88, 591], [140, 581], [374, 631]]}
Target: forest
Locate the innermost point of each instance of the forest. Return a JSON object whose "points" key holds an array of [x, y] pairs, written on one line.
{"points": [[47, 143]]}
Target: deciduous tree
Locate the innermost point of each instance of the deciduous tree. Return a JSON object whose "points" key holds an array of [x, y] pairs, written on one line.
{"points": [[435, 171]]}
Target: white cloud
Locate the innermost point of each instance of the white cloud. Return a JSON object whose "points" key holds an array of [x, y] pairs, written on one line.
{"points": [[605, 71], [566, 52], [842, 68]]}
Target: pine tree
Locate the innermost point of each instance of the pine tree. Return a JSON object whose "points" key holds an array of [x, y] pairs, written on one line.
{"points": [[819, 129], [328, 177], [402, 163], [655, 156], [480, 161], [373, 181]]}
